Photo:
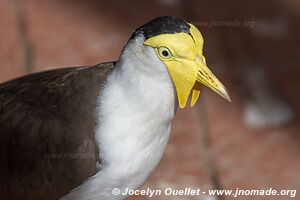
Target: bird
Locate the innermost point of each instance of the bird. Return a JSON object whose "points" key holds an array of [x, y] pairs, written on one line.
{"points": [[80, 132]]}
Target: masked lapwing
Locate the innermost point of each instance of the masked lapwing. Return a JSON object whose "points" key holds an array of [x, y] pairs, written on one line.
{"points": [[77, 133]]}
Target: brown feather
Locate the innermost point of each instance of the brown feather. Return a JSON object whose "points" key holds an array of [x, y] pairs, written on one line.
{"points": [[47, 123]]}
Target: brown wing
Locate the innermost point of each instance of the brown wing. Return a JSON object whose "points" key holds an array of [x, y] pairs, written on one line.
{"points": [[47, 128]]}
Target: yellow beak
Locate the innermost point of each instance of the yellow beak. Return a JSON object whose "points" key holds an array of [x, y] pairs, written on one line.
{"points": [[189, 75], [207, 78]]}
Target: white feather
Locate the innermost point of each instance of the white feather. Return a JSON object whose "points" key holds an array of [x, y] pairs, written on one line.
{"points": [[135, 111]]}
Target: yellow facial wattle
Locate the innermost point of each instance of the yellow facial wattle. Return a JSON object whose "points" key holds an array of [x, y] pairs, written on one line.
{"points": [[182, 55]]}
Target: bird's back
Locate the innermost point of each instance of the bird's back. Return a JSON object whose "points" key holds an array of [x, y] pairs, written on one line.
{"points": [[47, 128]]}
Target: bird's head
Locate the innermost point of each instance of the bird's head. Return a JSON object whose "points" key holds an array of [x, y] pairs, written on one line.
{"points": [[179, 45]]}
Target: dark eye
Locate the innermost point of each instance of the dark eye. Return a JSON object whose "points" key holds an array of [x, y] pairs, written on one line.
{"points": [[164, 53]]}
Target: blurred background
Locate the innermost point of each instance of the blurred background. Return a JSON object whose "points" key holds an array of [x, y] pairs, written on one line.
{"points": [[252, 46]]}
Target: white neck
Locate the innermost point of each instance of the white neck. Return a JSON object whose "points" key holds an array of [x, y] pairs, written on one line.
{"points": [[136, 108]]}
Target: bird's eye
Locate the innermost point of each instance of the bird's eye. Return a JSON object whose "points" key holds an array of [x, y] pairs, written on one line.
{"points": [[164, 52]]}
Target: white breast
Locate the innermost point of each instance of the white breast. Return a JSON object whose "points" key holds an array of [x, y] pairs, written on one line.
{"points": [[135, 110]]}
